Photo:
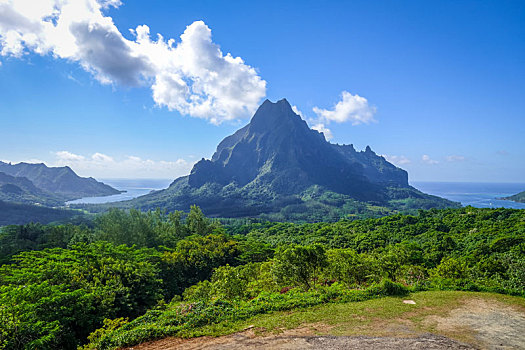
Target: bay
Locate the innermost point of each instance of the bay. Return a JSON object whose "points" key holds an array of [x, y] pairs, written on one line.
{"points": [[134, 188], [476, 194]]}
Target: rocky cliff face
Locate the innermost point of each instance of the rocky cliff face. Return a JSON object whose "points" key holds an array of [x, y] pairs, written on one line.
{"points": [[277, 168], [278, 149]]}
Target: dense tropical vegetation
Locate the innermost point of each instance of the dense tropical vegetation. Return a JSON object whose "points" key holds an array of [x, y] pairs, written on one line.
{"points": [[18, 213], [130, 276]]}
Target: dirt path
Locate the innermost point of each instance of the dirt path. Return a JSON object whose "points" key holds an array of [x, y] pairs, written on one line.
{"points": [[241, 341], [476, 324], [489, 325]]}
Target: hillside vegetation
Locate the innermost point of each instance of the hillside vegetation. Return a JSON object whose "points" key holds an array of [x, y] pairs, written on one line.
{"points": [[18, 214], [519, 197], [132, 276]]}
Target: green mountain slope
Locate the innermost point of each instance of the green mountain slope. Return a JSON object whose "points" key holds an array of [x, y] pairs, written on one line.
{"points": [[22, 190], [18, 214], [61, 181], [276, 167], [519, 197]]}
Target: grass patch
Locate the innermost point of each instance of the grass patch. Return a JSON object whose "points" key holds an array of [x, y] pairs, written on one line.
{"points": [[386, 316]]}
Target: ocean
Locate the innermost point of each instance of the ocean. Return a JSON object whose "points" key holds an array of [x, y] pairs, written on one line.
{"points": [[476, 194], [133, 187]]}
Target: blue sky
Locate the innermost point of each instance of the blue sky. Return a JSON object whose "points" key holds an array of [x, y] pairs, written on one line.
{"points": [[444, 84]]}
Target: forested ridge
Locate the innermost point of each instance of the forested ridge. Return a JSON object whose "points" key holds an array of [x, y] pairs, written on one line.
{"points": [[131, 276], [518, 197]]}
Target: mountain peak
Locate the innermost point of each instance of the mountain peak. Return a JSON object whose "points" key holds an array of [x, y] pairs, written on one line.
{"points": [[61, 181], [282, 101], [275, 115], [278, 147], [277, 163]]}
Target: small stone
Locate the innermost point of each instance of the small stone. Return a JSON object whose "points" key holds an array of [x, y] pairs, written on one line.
{"points": [[412, 302]]}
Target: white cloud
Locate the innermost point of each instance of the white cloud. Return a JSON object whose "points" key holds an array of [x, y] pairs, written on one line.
{"points": [[102, 158], [397, 160], [426, 159], [455, 158], [68, 156], [192, 76], [322, 128], [351, 108], [297, 111], [104, 166]]}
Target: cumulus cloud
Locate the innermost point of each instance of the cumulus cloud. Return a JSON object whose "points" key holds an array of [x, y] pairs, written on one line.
{"points": [[69, 157], [191, 76], [103, 165], [397, 160], [102, 158], [351, 108], [426, 159], [455, 158]]}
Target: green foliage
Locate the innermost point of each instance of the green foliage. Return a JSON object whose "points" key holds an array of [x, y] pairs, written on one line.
{"points": [[185, 319], [152, 228], [15, 239], [452, 268], [54, 298], [386, 287], [141, 229], [299, 264], [19, 214], [149, 229], [194, 259], [349, 267], [229, 283], [235, 283], [108, 327]]}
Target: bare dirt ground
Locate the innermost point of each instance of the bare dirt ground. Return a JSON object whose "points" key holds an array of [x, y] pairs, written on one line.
{"points": [[487, 324], [243, 341], [477, 324]]}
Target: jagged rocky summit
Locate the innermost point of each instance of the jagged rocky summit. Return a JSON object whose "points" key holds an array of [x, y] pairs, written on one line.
{"points": [[277, 167]]}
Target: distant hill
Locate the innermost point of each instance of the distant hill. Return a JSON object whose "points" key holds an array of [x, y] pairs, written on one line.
{"points": [[22, 190], [520, 197], [276, 167], [60, 181], [18, 214]]}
